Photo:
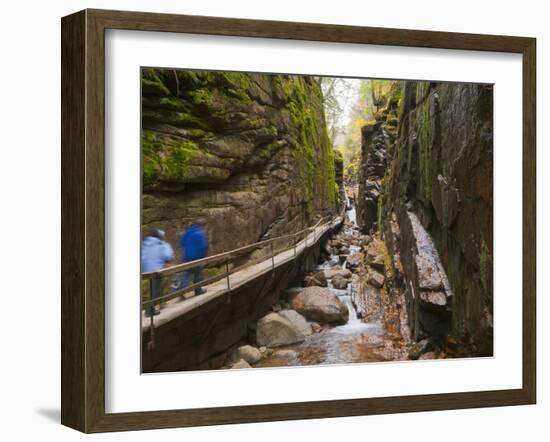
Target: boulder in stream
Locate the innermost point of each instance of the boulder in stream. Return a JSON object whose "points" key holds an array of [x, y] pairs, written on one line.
{"points": [[418, 348], [375, 254], [321, 305], [339, 282], [427, 356], [333, 272], [354, 260], [376, 279], [297, 321], [241, 364], [317, 279], [315, 327], [247, 353], [274, 330]]}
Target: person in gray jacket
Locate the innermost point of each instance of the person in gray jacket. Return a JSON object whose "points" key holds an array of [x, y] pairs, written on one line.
{"points": [[155, 253]]}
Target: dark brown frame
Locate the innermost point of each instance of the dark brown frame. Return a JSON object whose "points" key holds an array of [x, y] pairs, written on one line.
{"points": [[83, 215]]}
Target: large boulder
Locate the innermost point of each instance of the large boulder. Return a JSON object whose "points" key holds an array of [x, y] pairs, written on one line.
{"points": [[297, 321], [333, 272], [375, 254], [375, 279], [274, 330], [241, 363], [339, 282], [321, 305], [317, 279], [246, 352], [320, 276], [355, 260]]}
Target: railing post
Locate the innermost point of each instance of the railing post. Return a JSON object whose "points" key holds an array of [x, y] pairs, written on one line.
{"points": [[272, 257], [152, 313], [294, 245], [227, 274]]}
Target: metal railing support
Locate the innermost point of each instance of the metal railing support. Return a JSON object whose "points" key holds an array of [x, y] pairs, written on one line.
{"points": [[151, 345], [227, 273], [272, 257]]}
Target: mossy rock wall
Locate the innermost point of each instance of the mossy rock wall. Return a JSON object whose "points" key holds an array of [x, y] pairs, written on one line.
{"points": [[249, 152], [441, 168], [377, 144]]}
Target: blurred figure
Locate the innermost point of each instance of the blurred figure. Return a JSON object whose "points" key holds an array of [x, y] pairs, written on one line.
{"points": [[194, 245], [155, 253]]}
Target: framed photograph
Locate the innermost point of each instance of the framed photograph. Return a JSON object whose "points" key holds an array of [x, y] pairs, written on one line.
{"points": [[268, 220]]}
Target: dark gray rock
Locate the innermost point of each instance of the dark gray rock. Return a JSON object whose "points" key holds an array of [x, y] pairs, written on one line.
{"points": [[274, 330]]}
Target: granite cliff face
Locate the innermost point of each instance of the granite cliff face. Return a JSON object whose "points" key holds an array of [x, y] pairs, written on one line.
{"points": [[427, 188], [249, 152], [339, 173], [377, 145]]}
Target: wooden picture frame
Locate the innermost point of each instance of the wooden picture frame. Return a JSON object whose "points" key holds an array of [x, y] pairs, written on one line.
{"points": [[83, 220]]}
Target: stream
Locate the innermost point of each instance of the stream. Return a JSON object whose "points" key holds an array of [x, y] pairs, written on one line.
{"points": [[355, 341]]}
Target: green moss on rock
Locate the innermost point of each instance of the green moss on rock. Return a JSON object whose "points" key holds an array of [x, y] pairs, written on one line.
{"points": [[151, 83], [164, 157], [205, 126], [425, 140], [201, 96]]}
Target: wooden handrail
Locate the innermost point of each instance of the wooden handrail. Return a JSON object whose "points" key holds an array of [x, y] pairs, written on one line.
{"points": [[225, 258], [222, 257]]}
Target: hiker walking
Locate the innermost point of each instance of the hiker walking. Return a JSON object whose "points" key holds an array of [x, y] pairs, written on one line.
{"points": [[194, 245], [155, 253]]}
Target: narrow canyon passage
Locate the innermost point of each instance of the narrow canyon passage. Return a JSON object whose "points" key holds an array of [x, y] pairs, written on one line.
{"points": [[252, 164]]}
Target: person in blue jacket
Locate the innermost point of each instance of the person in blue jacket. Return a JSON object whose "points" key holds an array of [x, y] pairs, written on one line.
{"points": [[194, 245], [155, 253]]}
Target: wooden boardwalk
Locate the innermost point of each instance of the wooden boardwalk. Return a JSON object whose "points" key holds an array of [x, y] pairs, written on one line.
{"points": [[176, 307]]}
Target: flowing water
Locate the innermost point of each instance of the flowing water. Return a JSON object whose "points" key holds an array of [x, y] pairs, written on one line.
{"points": [[355, 341], [351, 214]]}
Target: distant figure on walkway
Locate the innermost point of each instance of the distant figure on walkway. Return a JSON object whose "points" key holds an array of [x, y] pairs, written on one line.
{"points": [[155, 253], [194, 245]]}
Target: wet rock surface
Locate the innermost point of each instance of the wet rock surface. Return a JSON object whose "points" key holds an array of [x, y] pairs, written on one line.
{"points": [[298, 321], [315, 279], [247, 353], [375, 279], [274, 330], [344, 273], [241, 364], [320, 305], [339, 282]]}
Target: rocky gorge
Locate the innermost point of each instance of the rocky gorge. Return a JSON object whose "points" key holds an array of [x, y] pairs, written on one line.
{"points": [[404, 270], [418, 263]]}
